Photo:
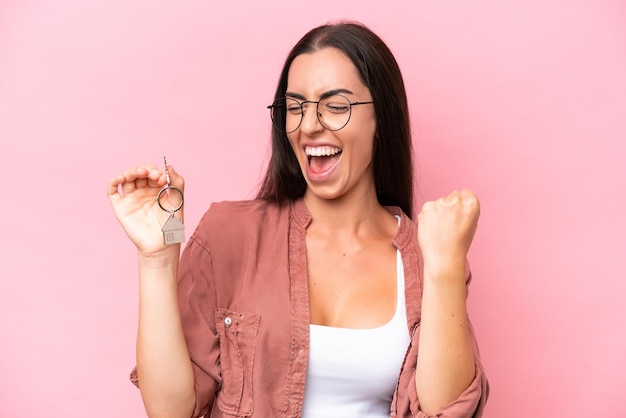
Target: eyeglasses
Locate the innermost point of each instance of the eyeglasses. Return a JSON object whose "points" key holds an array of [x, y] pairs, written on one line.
{"points": [[333, 112]]}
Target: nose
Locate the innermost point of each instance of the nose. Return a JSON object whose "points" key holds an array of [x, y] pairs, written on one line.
{"points": [[310, 119]]}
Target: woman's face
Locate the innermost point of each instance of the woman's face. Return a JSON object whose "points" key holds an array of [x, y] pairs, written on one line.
{"points": [[335, 164]]}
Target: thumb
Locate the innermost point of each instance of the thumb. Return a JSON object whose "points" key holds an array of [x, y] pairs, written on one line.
{"points": [[176, 179]]}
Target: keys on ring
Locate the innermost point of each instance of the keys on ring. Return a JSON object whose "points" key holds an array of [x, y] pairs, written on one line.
{"points": [[173, 229]]}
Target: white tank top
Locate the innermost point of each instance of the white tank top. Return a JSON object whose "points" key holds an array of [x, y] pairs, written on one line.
{"points": [[353, 372]]}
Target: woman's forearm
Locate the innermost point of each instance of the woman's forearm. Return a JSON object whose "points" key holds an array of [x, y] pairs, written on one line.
{"points": [[445, 365], [163, 364]]}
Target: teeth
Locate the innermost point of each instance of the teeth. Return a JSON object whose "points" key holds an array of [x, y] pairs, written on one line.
{"points": [[321, 151]]}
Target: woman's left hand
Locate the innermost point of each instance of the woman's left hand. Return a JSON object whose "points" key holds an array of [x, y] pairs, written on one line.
{"points": [[446, 228]]}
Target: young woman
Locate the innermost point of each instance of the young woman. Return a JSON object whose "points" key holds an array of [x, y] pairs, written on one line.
{"points": [[322, 297]]}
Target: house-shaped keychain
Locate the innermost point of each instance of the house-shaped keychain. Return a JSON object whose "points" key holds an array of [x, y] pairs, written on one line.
{"points": [[173, 231]]}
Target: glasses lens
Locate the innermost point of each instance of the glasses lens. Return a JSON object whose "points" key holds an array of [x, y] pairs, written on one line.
{"points": [[286, 114], [334, 112]]}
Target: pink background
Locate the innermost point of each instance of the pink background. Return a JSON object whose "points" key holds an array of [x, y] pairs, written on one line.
{"points": [[522, 101]]}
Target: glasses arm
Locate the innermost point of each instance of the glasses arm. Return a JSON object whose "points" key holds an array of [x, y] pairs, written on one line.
{"points": [[360, 103]]}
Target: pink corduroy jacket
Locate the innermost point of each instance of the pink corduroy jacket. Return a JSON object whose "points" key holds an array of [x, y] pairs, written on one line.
{"points": [[243, 296]]}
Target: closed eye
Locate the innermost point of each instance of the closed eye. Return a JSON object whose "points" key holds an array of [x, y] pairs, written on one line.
{"points": [[295, 109], [336, 107]]}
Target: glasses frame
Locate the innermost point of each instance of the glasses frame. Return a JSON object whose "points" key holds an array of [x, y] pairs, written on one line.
{"points": [[317, 113]]}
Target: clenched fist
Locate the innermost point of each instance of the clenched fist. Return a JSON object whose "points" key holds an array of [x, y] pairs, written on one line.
{"points": [[446, 228]]}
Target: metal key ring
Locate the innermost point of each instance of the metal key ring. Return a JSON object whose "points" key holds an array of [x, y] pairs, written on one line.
{"points": [[182, 199]]}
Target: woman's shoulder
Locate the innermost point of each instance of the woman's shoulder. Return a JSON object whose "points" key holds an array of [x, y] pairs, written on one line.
{"points": [[407, 231], [250, 208], [240, 217]]}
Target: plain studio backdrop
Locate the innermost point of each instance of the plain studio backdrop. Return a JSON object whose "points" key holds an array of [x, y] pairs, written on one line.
{"points": [[522, 101]]}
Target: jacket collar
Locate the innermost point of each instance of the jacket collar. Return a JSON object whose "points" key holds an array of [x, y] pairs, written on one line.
{"points": [[300, 214]]}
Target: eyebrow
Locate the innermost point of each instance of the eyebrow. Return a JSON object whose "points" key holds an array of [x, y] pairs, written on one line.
{"points": [[322, 96]]}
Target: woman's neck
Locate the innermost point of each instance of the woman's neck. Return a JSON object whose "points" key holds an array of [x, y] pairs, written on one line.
{"points": [[360, 216]]}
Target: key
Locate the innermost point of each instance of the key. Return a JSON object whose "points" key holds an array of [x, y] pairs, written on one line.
{"points": [[173, 229]]}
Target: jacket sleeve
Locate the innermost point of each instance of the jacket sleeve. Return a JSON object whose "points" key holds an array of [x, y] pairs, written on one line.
{"points": [[469, 404], [197, 301]]}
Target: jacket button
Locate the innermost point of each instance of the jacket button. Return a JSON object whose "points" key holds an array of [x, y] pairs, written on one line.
{"points": [[228, 321]]}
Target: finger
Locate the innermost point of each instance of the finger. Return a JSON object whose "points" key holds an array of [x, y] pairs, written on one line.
{"points": [[135, 173], [470, 200], [428, 205], [469, 195], [156, 178], [141, 183], [128, 187], [135, 178], [453, 198], [112, 189]]}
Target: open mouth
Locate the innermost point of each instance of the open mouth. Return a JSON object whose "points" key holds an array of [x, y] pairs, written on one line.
{"points": [[322, 159]]}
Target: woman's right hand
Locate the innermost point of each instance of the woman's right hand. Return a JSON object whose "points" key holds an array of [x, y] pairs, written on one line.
{"points": [[133, 196]]}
